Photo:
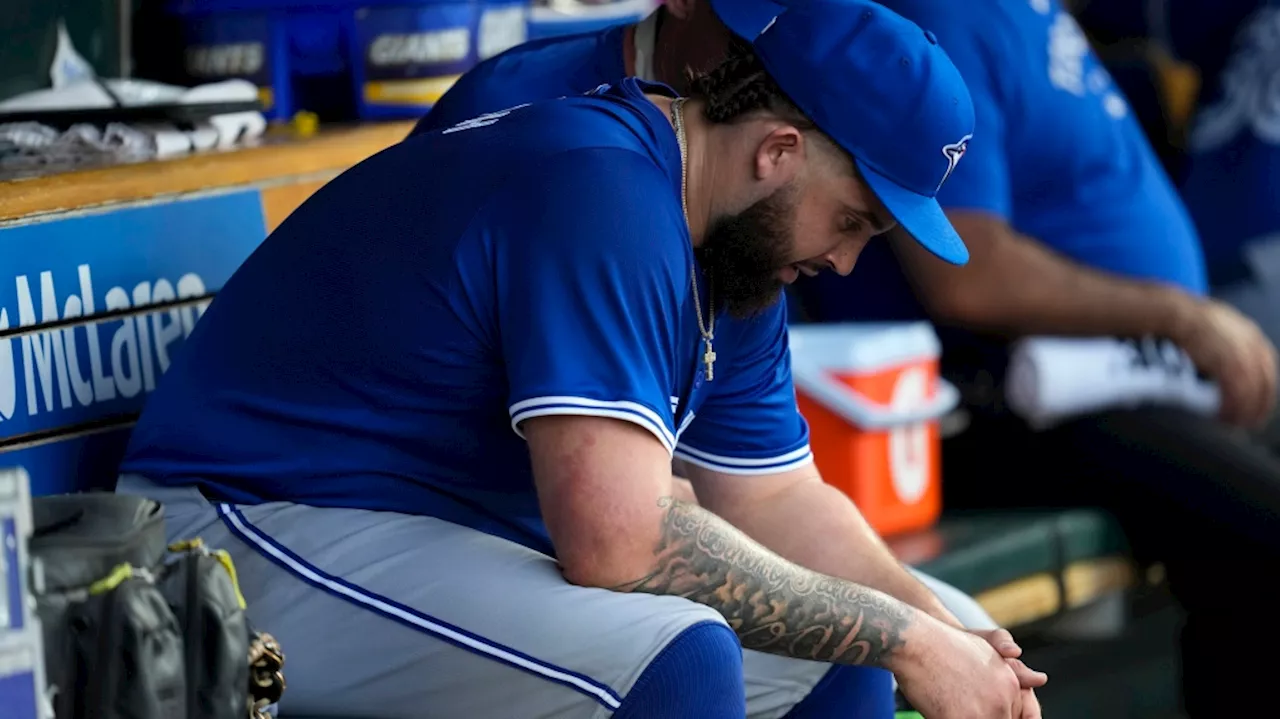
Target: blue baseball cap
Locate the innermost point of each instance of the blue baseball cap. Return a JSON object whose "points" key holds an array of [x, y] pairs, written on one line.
{"points": [[746, 18], [883, 89]]}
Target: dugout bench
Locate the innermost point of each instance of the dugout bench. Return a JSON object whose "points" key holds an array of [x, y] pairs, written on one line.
{"points": [[104, 271]]}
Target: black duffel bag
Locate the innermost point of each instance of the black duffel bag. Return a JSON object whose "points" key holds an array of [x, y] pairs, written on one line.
{"points": [[113, 648], [134, 629]]}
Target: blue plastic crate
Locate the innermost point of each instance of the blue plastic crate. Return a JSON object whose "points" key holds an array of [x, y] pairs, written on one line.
{"points": [[346, 58], [237, 41], [407, 56]]}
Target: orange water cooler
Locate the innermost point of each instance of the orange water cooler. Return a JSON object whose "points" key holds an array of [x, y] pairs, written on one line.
{"points": [[873, 397]]}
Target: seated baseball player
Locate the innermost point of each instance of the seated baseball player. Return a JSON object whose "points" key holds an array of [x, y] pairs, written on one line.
{"points": [[679, 36], [1075, 229], [433, 416]]}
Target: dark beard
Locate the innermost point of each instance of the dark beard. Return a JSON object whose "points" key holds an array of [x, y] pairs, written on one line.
{"points": [[742, 254]]}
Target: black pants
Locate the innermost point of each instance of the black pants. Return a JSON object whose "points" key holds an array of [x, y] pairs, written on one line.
{"points": [[1200, 497]]}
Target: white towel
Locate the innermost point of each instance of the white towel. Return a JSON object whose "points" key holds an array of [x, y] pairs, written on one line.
{"points": [[29, 145], [1053, 379]]}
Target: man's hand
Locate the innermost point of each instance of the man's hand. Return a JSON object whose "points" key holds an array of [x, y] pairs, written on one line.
{"points": [[1229, 347], [953, 674], [1030, 705], [1002, 641]]}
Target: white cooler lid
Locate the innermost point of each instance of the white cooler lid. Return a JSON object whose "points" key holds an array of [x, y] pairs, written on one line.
{"points": [[863, 347]]}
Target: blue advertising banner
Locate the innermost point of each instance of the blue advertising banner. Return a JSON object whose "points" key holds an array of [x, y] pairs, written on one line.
{"points": [[72, 463], [62, 269]]}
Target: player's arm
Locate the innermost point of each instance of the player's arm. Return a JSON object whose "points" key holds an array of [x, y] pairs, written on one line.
{"points": [[1016, 285], [604, 487], [807, 521], [747, 456]]}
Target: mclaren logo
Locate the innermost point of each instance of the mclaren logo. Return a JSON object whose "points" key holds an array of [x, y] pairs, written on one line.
{"points": [[84, 365]]}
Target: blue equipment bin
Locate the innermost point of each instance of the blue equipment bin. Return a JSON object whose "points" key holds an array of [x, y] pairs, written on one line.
{"points": [[367, 59]]}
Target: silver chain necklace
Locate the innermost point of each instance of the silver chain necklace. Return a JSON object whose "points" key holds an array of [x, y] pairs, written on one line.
{"points": [[706, 329]]}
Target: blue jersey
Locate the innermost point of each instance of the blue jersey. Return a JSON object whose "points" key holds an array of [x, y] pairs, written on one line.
{"points": [[1056, 153], [1232, 179], [382, 347], [539, 70]]}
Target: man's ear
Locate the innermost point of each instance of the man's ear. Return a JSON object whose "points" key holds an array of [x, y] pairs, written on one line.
{"points": [[780, 154], [682, 9]]}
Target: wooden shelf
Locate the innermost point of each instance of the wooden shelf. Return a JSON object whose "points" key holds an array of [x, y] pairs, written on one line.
{"points": [[283, 161]]}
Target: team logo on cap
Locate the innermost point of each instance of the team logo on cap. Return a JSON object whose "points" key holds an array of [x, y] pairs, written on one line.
{"points": [[953, 152]]}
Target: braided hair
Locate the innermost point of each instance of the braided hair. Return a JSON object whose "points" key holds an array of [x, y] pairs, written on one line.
{"points": [[739, 86]]}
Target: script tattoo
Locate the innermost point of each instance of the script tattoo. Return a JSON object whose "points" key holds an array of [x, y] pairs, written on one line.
{"points": [[773, 605]]}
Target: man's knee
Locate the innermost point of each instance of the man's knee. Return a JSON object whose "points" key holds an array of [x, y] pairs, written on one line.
{"points": [[849, 693], [698, 675]]}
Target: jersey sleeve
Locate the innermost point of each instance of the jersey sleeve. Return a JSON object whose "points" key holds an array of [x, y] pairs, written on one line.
{"points": [[980, 180], [750, 424], [590, 260]]}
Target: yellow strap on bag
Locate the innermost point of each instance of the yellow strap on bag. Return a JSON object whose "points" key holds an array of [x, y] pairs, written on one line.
{"points": [[119, 575], [187, 545], [224, 558]]}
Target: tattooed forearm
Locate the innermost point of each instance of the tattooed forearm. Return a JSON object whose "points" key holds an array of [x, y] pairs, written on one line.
{"points": [[773, 605]]}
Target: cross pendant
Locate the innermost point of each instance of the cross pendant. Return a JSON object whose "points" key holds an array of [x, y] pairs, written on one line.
{"points": [[709, 359]]}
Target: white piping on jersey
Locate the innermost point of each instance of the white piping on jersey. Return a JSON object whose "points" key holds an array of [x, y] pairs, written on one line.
{"points": [[684, 424], [736, 465], [566, 405]]}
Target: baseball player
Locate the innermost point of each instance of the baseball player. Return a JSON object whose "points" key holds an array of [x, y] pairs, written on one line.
{"points": [[679, 35], [433, 416]]}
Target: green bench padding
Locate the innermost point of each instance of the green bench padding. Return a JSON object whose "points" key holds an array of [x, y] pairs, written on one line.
{"points": [[980, 551]]}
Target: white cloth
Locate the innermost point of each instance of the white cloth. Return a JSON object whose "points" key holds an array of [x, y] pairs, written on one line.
{"points": [[1053, 379], [646, 42], [32, 146]]}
